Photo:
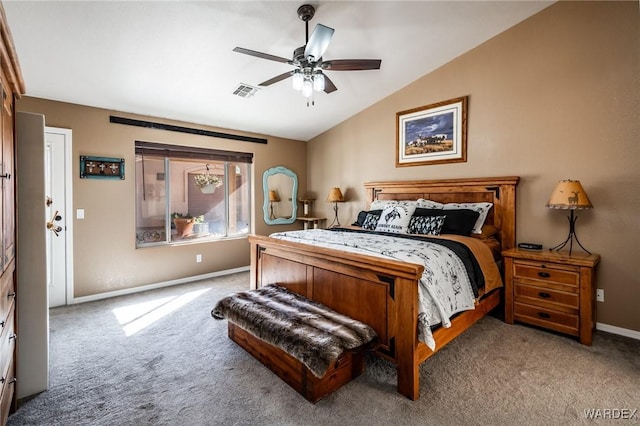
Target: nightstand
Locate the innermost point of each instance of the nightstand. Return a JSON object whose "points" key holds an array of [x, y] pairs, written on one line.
{"points": [[551, 289]]}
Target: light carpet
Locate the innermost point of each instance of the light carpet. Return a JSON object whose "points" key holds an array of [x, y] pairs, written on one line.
{"points": [[158, 358]]}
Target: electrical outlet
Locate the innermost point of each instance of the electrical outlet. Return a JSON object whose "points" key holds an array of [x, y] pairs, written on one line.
{"points": [[198, 258], [600, 295]]}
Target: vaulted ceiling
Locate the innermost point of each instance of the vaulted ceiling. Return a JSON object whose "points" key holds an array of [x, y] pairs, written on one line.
{"points": [[175, 59]]}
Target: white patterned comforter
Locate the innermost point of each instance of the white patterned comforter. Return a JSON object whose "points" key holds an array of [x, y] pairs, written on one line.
{"points": [[444, 290]]}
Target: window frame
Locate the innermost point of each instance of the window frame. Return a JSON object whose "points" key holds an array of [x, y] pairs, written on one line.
{"points": [[168, 153]]}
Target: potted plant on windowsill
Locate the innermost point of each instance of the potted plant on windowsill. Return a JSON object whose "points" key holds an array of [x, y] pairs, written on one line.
{"points": [[184, 223], [207, 183]]}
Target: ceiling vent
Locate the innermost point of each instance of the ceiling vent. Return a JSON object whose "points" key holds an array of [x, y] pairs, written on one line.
{"points": [[245, 91]]}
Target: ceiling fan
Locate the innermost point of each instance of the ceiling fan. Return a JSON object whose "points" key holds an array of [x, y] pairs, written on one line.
{"points": [[308, 73]]}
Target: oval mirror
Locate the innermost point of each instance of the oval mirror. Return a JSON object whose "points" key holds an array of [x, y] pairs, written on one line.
{"points": [[280, 188]]}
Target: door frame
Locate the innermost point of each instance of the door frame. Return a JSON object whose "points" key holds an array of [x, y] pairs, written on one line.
{"points": [[68, 190]]}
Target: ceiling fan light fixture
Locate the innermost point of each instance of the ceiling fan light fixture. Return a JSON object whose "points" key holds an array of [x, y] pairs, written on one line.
{"points": [[318, 81], [307, 88], [308, 61], [298, 80]]}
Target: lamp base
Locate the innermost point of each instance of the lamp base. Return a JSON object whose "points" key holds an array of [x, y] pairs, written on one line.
{"points": [[336, 221], [572, 236]]}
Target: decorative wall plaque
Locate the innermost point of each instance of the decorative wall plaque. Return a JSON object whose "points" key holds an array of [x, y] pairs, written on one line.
{"points": [[101, 168]]}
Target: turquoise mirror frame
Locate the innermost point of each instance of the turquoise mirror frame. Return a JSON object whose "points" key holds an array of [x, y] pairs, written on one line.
{"points": [[294, 196]]}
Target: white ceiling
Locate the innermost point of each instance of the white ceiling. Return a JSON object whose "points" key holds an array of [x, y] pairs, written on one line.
{"points": [[174, 59]]}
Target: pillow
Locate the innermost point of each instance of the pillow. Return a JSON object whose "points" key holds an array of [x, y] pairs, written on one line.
{"points": [[488, 231], [395, 217], [382, 204], [481, 208], [459, 222], [362, 216], [428, 225], [428, 204], [371, 220]]}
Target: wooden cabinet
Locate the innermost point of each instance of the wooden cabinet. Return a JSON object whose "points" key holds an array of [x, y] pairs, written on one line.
{"points": [[11, 87], [551, 289]]}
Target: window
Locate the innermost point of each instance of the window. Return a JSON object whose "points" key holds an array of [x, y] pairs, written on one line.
{"points": [[190, 194]]}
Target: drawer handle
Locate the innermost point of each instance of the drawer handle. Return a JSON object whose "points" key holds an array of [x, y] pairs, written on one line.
{"points": [[544, 315], [2, 324], [544, 274], [14, 336], [544, 295], [13, 380], [12, 294]]}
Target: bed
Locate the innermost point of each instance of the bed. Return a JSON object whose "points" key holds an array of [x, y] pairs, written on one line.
{"points": [[384, 292]]}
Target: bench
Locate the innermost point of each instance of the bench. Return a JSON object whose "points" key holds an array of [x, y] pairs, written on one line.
{"points": [[312, 348]]}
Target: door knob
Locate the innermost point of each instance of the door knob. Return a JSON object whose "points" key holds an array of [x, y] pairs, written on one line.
{"points": [[52, 226]]}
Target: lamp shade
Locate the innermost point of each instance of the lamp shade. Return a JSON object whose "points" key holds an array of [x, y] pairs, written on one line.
{"points": [[273, 196], [335, 196], [569, 195]]}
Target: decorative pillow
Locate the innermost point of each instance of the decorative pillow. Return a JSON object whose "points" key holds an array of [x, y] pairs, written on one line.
{"points": [[381, 204], [428, 225], [481, 208], [428, 204], [371, 220], [395, 217], [363, 215], [459, 222]]}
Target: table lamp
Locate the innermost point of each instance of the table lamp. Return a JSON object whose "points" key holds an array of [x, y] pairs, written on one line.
{"points": [[273, 198], [569, 195], [335, 196]]}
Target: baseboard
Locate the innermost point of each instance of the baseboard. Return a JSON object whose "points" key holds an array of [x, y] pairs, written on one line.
{"points": [[618, 330], [154, 286]]}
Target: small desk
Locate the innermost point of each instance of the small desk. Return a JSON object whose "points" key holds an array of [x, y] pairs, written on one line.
{"points": [[315, 221]]}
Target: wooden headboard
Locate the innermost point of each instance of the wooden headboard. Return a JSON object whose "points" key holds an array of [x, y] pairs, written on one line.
{"points": [[501, 191]]}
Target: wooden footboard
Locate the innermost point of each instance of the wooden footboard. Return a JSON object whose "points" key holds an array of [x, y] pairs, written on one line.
{"points": [[379, 292], [383, 292]]}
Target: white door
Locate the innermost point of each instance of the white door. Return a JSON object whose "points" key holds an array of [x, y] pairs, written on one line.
{"points": [[58, 197]]}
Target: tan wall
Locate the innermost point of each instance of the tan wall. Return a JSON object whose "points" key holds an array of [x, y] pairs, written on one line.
{"points": [[105, 254], [555, 97]]}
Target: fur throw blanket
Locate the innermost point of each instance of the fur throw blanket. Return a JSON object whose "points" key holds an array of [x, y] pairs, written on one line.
{"points": [[310, 332]]}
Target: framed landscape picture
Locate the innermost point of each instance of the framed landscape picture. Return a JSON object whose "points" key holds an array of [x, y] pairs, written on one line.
{"points": [[432, 134]]}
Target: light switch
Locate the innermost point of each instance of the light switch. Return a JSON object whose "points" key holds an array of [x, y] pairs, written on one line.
{"points": [[80, 214]]}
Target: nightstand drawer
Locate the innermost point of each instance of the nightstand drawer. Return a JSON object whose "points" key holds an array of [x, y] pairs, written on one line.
{"points": [[563, 276], [545, 297], [548, 318]]}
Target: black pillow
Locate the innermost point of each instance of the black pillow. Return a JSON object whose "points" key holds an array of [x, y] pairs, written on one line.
{"points": [[459, 221], [363, 215], [371, 221]]}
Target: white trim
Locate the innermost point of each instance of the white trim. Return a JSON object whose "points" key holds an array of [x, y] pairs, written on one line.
{"points": [[618, 330], [142, 288], [68, 189]]}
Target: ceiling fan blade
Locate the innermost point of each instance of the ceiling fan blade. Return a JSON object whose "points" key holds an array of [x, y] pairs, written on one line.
{"points": [[318, 42], [277, 78], [262, 55], [328, 85], [351, 64]]}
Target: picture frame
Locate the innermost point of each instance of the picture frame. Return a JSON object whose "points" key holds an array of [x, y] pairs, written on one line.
{"points": [[432, 134], [101, 167]]}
